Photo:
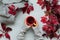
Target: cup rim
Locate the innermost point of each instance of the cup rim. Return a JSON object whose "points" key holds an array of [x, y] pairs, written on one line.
{"points": [[34, 19]]}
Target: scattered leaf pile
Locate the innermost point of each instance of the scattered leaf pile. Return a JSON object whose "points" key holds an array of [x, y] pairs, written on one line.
{"points": [[28, 8], [5, 31], [53, 20]]}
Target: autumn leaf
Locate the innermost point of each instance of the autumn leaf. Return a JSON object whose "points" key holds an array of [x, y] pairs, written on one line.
{"points": [[1, 35], [5, 31], [40, 2], [24, 9], [53, 14], [7, 36], [3, 26], [12, 7], [54, 2], [8, 29], [28, 8], [44, 19], [12, 12]]}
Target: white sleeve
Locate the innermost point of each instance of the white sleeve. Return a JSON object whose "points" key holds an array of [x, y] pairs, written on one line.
{"points": [[38, 35], [21, 35], [3, 11]]}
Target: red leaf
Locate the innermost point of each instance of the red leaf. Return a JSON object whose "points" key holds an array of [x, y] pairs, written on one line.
{"points": [[40, 2], [57, 9], [55, 22], [26, 4], [48, 7], [7, 36], [1, 35], [24, 9], [45, 27], [12, 7], [12, 12], [54, 2], [50, 29], [3, 26], [48, 22], [28, 10], [8, 29], [43, 19], [43, 6], [31, 8], [44, 3]]}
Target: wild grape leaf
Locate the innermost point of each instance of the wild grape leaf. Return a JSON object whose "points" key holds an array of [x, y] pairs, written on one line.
{"points": [[3, 26], [12, 12], [5, 31], [40, 2], [44, 19], [1, 35], [7, 36], [54, 2], [31, 8], [28, 8], [44, 3], [24, 9], [12, 7], [8, 29]]}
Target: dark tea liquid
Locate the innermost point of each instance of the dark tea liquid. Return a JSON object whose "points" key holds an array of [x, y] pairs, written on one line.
{"points": [[30, 20]]}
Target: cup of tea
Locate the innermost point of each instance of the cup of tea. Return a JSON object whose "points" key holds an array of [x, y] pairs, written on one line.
{"points": [[30, 21]]}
